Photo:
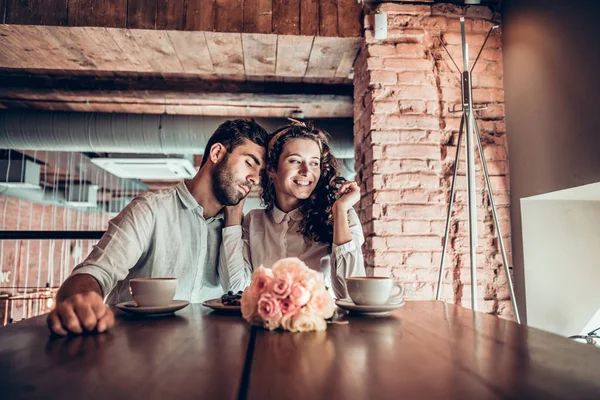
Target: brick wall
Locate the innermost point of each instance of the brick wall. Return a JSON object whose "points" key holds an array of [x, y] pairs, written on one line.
{"points": [[406, 142]]}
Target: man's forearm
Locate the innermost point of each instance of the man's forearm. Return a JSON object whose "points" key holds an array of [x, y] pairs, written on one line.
{"points": [[79, 283]]}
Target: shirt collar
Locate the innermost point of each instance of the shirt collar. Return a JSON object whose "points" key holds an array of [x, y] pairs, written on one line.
{"points": [[278, 215], [190, 203], [186, 197]]}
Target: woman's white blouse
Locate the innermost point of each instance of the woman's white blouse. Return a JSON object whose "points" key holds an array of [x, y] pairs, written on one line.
{"points": [[267, 236]]}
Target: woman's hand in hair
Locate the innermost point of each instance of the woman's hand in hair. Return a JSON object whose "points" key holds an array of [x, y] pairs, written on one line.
{"points": [[349, 193]]}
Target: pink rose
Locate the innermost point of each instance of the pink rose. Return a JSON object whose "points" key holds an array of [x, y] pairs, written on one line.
{"points": [[268, 308], [288, 307], [261, 279], [321, 304], [299, 294], [282, 286]]}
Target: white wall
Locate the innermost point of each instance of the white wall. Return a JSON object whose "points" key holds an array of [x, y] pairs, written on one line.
{"points": [[561, 247]]}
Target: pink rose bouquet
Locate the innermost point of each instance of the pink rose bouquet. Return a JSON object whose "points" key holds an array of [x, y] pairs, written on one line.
{"points": [[289, 296]]}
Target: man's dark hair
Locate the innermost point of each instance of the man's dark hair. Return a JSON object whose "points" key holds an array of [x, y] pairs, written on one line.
{"points": [[233, 133]]}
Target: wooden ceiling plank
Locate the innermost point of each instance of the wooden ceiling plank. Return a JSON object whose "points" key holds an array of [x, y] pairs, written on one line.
{"points": [[325, 57], [260, 52], [192, 51], [126, 42], [110, 55], [293, 53], [347, 62], [11, 52], [57, 54], [226, 53], [75, 45], [158, 50]]}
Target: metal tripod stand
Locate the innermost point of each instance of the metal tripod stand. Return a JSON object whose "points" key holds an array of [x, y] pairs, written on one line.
{"points": [[473, 135]]}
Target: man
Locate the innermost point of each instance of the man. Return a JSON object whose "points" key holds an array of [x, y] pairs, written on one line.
{"points": [[174, 233]]}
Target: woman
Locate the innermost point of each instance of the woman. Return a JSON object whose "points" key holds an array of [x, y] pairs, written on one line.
{"points": [[306, 216]]}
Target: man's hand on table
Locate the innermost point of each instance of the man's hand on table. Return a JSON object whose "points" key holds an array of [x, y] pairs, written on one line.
{"points": [[80, 308]]}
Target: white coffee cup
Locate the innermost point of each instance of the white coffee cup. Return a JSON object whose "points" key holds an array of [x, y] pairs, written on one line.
{"points": [[373, 290], [153, 292]]}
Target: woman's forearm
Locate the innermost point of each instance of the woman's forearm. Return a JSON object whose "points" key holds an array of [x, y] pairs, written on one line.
{"points": [[341, 226]]}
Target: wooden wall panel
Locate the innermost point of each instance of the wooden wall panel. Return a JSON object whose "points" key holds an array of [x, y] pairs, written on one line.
{"points": [[349, 18], [229, 15], [170, 14], [328, 18], [258, 16], [36, 12], [309, 17], [286, 17], [141, 14], [104, 13], [200, 15], [2, 10], [333, 18]]}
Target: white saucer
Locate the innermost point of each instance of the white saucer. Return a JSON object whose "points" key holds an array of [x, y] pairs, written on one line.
{"points": [[380, 310], [132, 307]]}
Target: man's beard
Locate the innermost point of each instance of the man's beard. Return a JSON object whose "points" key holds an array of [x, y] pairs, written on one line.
{"points": [[225, 187]]}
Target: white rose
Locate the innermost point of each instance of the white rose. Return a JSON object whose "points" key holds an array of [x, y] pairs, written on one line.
{"points": [[304, 321]]}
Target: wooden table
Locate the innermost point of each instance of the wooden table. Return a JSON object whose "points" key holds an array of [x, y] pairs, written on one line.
{"points": [[425, 350]]}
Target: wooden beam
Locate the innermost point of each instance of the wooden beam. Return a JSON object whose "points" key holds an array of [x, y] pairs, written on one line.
{"points": [[159, 102], [139, 83]]}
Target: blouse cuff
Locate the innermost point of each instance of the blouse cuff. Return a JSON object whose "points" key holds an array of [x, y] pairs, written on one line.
{"points": [[234, 231], [344, 248]]}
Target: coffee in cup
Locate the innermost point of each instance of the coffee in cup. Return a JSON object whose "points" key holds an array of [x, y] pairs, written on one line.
{"points": [[153, 292], [373, 290]]}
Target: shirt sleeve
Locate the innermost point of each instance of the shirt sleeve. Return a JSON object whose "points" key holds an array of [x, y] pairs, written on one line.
{"points": [[347, 259], [126, 239], [235, 269]]}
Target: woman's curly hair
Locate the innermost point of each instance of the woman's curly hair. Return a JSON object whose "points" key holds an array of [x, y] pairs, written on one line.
{"points": [[317, 224]]}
